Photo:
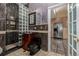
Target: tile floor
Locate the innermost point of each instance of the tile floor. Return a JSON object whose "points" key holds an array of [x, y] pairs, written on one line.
{"points": [[20, 52]]}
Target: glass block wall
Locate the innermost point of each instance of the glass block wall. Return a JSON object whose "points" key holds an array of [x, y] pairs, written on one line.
{"points": [[23, 20], [72, 29]]}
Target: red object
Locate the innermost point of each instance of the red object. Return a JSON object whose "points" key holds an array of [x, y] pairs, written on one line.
{"points": [[26, 41]]}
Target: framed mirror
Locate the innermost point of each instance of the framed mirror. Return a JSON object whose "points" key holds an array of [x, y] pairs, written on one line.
{"points": [[58, 30], [32, 18]]}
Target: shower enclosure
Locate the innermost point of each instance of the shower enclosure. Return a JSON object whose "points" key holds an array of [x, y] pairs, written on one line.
{"points": [[58, 29]]}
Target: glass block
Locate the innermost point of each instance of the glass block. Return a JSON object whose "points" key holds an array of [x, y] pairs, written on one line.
{"points": [[74, 28], [70, 16], [70, 7], [74, 43], [20, 22], [71, 51], [74, 53], [70, 27], [71, 39], [20, 15], [74, 13], [20, 8]]}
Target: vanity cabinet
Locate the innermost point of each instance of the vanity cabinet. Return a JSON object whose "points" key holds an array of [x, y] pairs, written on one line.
{"points": [[8, 24]]}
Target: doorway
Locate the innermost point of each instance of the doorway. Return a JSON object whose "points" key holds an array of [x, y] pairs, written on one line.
{"points": [[58, 29]]}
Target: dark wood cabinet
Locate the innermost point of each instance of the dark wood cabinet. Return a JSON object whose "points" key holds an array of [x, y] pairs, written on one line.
{"points": [[12, 16], [11, 10], [8, 23], [12, 23], [2, 10], [12, 37], [2, 25], [2, 17]]}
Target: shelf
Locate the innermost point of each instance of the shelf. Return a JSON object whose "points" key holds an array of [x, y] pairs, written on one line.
{"points": [[38, 31], [2, 32]]}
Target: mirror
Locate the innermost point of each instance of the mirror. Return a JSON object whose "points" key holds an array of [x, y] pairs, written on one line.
{"points": [[58, 30]]}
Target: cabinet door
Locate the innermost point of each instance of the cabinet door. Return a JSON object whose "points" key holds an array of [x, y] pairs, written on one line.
{"points": [[12, 11], [2, 10]]}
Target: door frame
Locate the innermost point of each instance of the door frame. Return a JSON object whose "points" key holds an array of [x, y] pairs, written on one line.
{"points": [[49, 24]]}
